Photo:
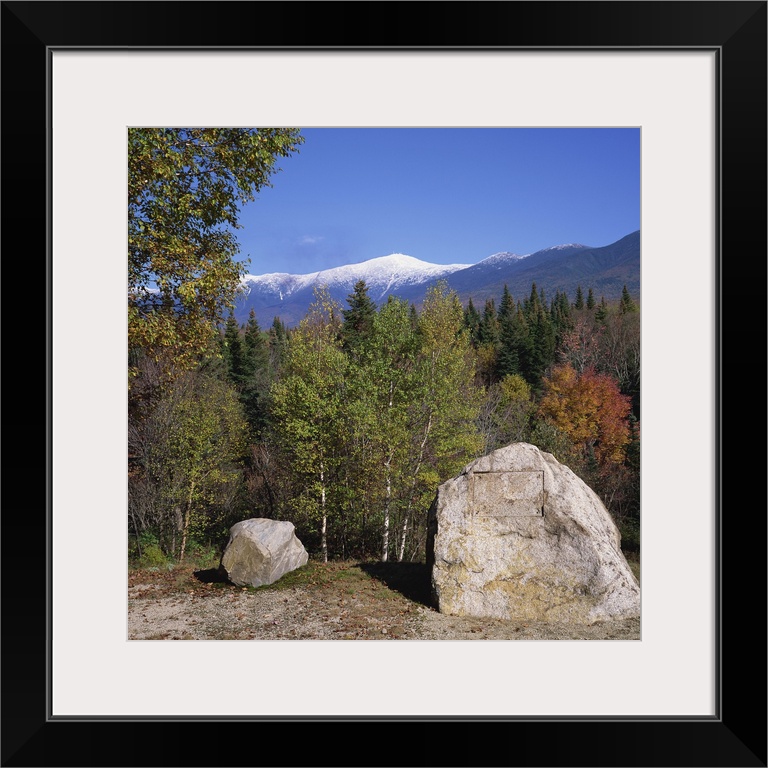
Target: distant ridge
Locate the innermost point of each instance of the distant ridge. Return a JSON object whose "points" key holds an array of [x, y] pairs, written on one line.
{"points": [[605, 269]]}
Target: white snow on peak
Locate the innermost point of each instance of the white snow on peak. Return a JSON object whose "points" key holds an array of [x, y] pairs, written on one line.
{"points": [[396, 266], [563, 247], [381, 274], [277, 282], [503, 257], [507, 257]]}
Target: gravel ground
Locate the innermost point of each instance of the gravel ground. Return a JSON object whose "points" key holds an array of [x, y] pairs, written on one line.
{"points": [[334, 601]]}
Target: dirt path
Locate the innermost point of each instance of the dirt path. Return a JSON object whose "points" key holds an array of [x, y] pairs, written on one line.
{"points": [[336, 601]]}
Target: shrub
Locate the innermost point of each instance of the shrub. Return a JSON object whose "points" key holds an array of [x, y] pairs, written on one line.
{"points": [[152, 557]]}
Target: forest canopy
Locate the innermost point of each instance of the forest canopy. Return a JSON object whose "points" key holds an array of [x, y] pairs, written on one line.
{"points": [[347, 423]]}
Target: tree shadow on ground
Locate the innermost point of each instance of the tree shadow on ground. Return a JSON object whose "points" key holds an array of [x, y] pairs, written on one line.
{"points": [[412, 580], [212, 576]]}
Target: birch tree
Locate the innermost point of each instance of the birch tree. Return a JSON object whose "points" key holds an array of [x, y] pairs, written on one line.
{"points": [[388, 366], [445, 402], [308, 408]]}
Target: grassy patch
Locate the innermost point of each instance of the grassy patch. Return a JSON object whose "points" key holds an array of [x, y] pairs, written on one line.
{"points": [[346, 575], [373, 581]]}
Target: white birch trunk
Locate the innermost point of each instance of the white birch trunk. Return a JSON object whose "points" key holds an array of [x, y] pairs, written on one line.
{"points": [[388, 492], [422, 447], [401, 553], [187, 517], [387, 498], [323, 525]]}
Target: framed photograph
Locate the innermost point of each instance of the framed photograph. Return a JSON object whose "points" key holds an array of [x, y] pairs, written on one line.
{"points": [[691, 76]]}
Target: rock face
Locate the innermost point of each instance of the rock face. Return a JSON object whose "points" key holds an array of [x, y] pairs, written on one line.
{"points": [[260, 551], [517, 535]]}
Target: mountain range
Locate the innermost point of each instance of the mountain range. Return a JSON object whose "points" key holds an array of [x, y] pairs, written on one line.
{"points": [[605, 269]]}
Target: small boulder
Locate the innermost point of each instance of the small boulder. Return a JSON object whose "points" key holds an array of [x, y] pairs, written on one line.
{"points": [[260, 551], [517, 535]]}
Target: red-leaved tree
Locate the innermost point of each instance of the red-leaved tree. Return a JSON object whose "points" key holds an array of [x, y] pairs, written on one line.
{"points": [[589, 409]]}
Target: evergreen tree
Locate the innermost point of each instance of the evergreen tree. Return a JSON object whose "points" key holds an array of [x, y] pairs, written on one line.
{"points": [[255, 366], [626, 305], [590, 299], [472, 323], [413, 317], [233, 347], [601, 313], [488, 342], [255, 345], [560, 313], [488, 333], [540, 347], [579, 303], [532, 303], [277, 343], [511, 338], [560, 305], [507, 305], [358, 319]]}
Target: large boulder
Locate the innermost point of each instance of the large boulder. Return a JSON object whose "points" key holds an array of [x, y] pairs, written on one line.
{"points": [[517, 535], [260, 551]]}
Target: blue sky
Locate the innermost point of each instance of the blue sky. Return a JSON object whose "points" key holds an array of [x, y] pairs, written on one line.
{"points": [[442, 195]]}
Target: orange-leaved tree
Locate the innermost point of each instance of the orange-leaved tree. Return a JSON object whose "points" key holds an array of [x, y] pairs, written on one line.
{"points": [[589, 409]]}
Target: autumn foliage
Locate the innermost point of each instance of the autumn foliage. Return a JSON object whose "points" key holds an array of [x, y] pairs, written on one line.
{"points": [[589, 409], [346, 424]]}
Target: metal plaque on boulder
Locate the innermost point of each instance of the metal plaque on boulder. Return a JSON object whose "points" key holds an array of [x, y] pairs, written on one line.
{"points": [[508, 494], [518, 535]]}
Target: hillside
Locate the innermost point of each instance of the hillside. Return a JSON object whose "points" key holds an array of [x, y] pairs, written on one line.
{"points": [[606, 269]]}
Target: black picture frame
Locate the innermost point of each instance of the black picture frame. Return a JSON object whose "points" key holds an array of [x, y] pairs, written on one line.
{"points": [[736, 736]]}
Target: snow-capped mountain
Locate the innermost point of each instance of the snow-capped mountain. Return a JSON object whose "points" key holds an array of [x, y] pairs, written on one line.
{"points": [[559, 268], [288, 296], [382, 275]]}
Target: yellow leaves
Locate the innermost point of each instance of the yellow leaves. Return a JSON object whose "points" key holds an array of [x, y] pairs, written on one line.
{"points": [[589, 409], [184, 186], [514, 388]]}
